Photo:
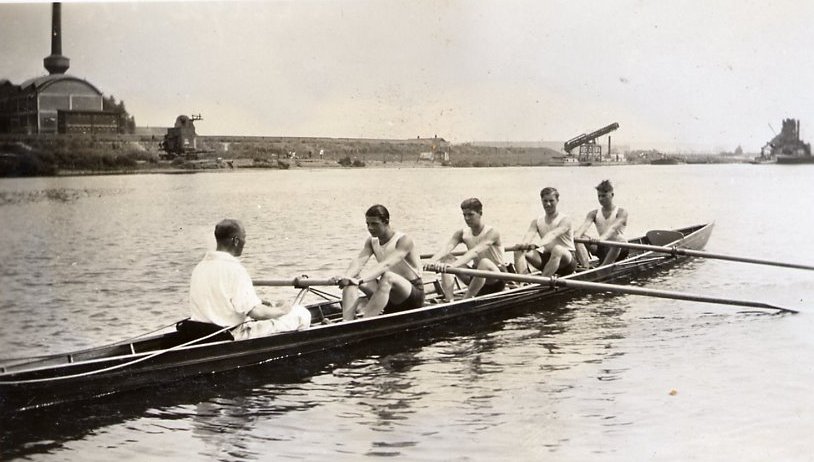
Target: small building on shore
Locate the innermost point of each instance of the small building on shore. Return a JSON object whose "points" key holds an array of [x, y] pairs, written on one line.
{"points": [[181, 139], [57, 102]]}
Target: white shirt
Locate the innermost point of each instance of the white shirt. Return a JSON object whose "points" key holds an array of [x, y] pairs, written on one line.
{"points": [[602, 224], [408, 268], [566, 240], [221, 291], [494, 252]]}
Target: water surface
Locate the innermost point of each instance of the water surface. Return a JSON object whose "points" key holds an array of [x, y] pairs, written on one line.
{"points": [[90, 260]]}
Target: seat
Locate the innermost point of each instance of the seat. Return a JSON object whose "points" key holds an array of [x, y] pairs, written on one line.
{"points": [[189, 330]]}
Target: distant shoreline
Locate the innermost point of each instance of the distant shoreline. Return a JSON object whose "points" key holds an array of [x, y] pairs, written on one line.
{"points": [[112, 154], [192, 171]]}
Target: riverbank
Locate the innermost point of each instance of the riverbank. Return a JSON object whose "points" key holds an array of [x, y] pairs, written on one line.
{"points": [[52, 155], [110, 154], [168, 169]]}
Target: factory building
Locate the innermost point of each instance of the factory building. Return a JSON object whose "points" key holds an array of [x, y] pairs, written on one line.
{"points": [[57, 102]]}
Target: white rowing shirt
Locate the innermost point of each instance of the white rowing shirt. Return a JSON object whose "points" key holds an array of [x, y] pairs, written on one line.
{"points": [[409, 267], [221, 290], [602, 223], [494, 252], [566, 240]]}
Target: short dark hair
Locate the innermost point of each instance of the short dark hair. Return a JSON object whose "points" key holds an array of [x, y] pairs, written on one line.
{"points": [[378, 211], [605, 186], [472, 204], [227, 229], [550, 190]]}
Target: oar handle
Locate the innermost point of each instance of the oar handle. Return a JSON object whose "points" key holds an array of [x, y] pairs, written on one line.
{"points": [[298, 282], [458, 253]]}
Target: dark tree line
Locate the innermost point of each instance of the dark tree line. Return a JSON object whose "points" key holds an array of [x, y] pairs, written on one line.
{"points": [[126, 121]]}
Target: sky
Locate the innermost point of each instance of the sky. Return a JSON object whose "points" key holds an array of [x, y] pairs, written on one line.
{"points": [[686, 75]]}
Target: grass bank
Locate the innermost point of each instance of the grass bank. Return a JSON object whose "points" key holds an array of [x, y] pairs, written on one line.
{"points": [[48, 155]]}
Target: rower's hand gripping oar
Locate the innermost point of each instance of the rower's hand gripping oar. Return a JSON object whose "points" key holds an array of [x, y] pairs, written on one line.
{"points": [[604, 287], [675, 251]]}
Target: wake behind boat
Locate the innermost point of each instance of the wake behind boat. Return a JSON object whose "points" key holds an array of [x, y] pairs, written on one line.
{"points": [[178, 354]]}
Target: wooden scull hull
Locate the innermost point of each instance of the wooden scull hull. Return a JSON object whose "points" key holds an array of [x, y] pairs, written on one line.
{"points": [[161, 359]]}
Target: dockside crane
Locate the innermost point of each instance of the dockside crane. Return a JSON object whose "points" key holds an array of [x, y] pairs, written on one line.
{"points": [[587, 142]]}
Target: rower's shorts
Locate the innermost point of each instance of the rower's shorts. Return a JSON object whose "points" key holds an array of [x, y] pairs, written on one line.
{"points": [[414, 300], [601, 250], [496, 286], [564, 269]]}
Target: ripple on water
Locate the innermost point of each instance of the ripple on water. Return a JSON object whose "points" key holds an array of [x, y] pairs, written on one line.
{"points": [[64, 195]]}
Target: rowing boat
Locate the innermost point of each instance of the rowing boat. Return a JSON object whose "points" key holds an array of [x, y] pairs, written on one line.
{"points": [[158, 359]]}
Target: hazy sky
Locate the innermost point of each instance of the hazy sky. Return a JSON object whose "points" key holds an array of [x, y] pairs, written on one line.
{"points": [[702, 74]]}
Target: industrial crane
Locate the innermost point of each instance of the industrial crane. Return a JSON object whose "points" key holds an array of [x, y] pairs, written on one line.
{"points": [[586, 142]]}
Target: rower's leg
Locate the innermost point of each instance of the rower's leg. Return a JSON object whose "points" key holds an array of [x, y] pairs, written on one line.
{"points": [[583, 257], [351, 302], [520, 266], [350, 298], [559, 254], [522, 258], [448, 282], [391, 287], [476, 284], [611, 255], [448, 285], [535, 259]]}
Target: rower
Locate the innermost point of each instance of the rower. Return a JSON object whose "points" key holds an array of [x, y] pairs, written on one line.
{"points": [[610, 222], [554, 254], [394, 283], [221, 292], [483, 250]]}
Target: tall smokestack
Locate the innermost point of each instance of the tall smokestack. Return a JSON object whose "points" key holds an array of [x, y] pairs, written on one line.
{"points": [[56, 63]]}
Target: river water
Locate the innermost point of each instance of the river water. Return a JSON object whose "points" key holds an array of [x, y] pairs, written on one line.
{"points": [[91, 260]]}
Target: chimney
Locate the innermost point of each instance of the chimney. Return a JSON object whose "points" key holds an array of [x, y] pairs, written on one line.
{"points": [[56, 63]]}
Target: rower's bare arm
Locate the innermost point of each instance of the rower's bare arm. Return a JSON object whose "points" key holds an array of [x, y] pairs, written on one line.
{"points": [[613, 229], [583, 228], [491, 238], [453, 242], [561, 229], [358, 263], [531, 233], [403, 247]]}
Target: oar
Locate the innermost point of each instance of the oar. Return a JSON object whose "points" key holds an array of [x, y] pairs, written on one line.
{"points": [[604, 287], [298, 282], [457, 253], [675, 251]]}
